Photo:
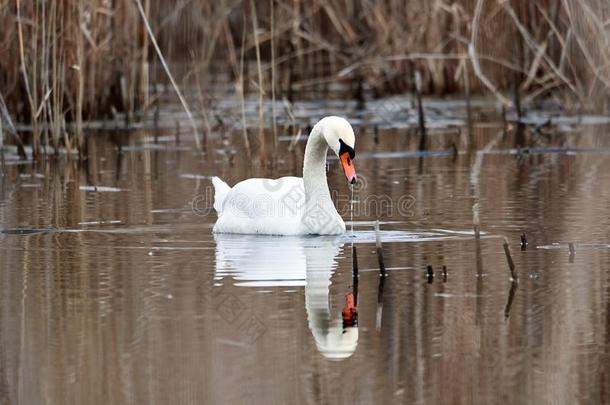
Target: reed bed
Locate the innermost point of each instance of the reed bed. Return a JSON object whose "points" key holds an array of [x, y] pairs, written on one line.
{"points": [[67, 62]]}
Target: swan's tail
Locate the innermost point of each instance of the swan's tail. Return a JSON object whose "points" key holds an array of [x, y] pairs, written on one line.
{"points": [[221, 189]]}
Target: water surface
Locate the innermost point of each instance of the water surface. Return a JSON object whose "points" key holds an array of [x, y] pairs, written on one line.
{"points": [[113, 288]]}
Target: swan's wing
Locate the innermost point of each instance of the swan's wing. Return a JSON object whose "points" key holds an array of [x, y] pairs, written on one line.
{"points": [[264, 206]]}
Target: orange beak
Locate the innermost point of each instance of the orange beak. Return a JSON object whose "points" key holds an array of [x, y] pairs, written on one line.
{"points": [[348, 167], [350, 311]]}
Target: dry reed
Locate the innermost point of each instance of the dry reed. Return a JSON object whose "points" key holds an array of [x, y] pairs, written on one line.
{"points": [[70, 62]]}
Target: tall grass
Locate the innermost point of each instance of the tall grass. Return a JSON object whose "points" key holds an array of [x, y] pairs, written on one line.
{"points": [[551, 48], [67, 62]]}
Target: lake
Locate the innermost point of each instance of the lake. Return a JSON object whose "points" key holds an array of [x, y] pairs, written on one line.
{"points": [[113, 288]]}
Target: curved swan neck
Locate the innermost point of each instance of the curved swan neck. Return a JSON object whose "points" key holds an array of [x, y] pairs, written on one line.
{"points": [[314, 164]]}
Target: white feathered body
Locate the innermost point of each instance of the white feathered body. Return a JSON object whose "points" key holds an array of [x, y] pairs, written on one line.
{"points": [[274, 207]]}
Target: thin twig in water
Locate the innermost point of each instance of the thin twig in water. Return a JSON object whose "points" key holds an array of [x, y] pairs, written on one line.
{"points": [[509, 259], [511, 297]]}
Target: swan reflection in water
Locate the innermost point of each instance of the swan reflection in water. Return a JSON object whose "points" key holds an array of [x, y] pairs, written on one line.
{"points": [[268, 261]]}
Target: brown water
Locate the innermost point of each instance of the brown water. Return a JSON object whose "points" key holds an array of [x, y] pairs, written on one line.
{"points": [[121, 293]]}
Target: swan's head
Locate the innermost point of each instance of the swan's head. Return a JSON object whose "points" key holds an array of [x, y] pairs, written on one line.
{"points": [[340, 138]]}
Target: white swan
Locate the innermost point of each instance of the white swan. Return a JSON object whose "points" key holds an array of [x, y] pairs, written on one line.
{"points": [[290, 205]]}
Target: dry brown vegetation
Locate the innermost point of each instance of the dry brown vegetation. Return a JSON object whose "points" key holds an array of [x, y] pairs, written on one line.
{"points": [[73, 61], [70, 61]]}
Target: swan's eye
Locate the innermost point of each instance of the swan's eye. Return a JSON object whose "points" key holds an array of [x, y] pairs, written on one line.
{"points": [[343, 147]]}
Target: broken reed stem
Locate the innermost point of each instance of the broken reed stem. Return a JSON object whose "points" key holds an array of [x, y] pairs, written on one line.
{"points": [[429, 274], [509, 259], [382, 271], [523, 241], [168, 73], [420, 111], [511, 297], [571, 248]]}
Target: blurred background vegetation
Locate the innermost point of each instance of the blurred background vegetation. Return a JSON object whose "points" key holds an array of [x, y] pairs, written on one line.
{"points": [[66, 63]]}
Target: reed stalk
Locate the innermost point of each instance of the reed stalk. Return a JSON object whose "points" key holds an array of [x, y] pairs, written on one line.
{"points": [[261, 112], [420, 112], [240, 85], [273, 74], [7, 126], [169, 74], [80, 66]]}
